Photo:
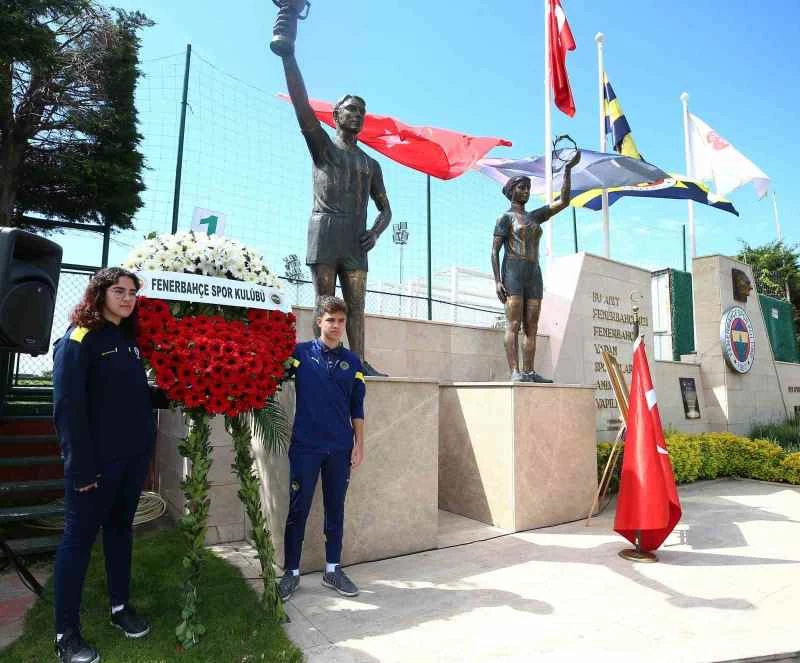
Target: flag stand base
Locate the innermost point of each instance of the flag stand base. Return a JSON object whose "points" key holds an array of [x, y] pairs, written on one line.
{"points": [[634, 555]]}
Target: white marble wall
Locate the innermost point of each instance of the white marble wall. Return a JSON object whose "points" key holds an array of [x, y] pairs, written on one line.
{"points": [[670, 402], [584, 295], [443, 351], [734, 400], [392, 501], [226, 514], [517, 456], [789, 377]]}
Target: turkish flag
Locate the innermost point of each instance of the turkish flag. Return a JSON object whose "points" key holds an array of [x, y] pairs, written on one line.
{"points": [[561, 41], [439, 152], [648, 500]]}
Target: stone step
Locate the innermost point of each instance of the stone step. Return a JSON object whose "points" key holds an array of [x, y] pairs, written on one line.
{"points": [[38, 486], [21, 513], [28, 461], [49, 438], [37, 425], [32, 546]]}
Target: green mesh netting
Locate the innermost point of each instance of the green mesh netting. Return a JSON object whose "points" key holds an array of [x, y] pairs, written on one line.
{"points": [[779, 321], [680, 293]]}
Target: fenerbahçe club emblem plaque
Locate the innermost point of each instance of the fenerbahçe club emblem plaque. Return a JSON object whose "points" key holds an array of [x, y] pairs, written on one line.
{"points": [[737, 338]]}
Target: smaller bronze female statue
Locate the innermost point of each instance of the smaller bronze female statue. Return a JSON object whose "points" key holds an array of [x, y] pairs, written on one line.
{"points": [[519, 284]]}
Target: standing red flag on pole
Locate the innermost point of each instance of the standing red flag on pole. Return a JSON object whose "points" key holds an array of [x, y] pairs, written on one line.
{"points": [[561, 41], [648, 500]]}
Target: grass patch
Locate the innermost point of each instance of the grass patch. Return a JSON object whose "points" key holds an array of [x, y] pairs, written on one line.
{"points": [[237, 631], [785, 433]]}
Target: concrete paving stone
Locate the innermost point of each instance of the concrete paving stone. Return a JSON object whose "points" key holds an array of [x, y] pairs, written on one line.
{"points": [[726, 587]]}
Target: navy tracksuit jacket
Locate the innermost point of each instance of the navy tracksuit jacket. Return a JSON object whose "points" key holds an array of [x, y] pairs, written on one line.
{"points": [[330, 392], [103, 410]]}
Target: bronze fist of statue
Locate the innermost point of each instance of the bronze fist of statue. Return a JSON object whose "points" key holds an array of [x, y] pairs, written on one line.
{"points": [[284, 32]]}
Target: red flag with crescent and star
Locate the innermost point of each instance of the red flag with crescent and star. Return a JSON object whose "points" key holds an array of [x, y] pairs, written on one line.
{"points": [[442, 153], [648, 499], [561, 41]]}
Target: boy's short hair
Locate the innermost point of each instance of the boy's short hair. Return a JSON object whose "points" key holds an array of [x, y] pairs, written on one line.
{"points": [[330, 304]]}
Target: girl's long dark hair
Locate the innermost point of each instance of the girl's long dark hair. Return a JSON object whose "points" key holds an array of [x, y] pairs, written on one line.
{"points": [[89, 311]]}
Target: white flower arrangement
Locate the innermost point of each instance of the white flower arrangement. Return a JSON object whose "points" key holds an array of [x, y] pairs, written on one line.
{"points": [[196, 253]]}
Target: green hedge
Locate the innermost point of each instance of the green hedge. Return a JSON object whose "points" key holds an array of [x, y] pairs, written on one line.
{"points": [[715, 455]]}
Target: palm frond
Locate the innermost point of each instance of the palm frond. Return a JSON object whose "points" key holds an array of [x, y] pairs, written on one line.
{"points": [[271, 427]]}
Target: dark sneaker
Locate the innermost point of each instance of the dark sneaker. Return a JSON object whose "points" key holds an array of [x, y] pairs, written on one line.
{"points": [[288, 583], [131, 624], [533, 376], [72, 648], [340, 582]]}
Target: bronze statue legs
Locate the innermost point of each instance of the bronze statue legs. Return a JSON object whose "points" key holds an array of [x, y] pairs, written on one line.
{"points": [[354, 286], [521, 314], [530, 325]]}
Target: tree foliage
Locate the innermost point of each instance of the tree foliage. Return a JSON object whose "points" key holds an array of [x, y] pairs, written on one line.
{"points": [[776, 269], [68, 124]]}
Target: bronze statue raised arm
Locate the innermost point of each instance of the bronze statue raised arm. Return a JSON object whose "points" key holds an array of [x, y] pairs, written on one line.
{"points": [[344, 179], [519, 282]]}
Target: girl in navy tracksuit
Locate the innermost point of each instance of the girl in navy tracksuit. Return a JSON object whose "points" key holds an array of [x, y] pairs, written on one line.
{"points": [[103, 411]]}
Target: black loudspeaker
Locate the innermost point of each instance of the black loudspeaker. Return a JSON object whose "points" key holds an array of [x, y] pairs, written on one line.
{"points": [[29, 271]]}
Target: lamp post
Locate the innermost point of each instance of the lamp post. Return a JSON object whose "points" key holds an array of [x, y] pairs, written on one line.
{"points": [[400, 237], [294, 273]]}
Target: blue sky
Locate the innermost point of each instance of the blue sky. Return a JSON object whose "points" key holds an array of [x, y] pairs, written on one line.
{"points": [[473, 66]]}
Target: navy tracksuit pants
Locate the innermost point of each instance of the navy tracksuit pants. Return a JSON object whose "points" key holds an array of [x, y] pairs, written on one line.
{"points": [[304, 468], [111, 505]]}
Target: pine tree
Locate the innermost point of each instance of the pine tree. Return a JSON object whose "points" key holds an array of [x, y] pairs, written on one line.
{"points": [[68, 125]]}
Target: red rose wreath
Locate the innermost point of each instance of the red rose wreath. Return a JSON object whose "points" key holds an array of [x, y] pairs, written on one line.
{"points": [[212, 360]]}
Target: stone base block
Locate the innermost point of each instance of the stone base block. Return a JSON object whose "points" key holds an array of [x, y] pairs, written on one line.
{"points": [[392, 499], [226, 516], [517, 456]]}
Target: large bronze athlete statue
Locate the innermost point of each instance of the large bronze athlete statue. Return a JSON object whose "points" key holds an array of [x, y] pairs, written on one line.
{"points": [[345, 178], [519, 283]]}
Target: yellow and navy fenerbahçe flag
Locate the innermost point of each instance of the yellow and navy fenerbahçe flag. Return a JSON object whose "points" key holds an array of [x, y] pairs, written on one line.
{"points": [[617, 124], [675, 186]]}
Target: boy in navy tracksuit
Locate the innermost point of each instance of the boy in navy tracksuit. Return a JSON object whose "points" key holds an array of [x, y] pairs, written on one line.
{"points": [[327, 440]]}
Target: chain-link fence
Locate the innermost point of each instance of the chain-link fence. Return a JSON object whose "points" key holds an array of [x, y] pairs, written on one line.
{"points": [[37, 371], [773, 284], [244, 156]]}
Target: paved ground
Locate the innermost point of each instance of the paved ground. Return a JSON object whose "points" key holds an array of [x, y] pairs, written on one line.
{"points": [[727, 588], [15, 600]]}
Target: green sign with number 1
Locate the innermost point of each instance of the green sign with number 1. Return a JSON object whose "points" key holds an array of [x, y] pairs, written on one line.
{"points": [[211, 222]]}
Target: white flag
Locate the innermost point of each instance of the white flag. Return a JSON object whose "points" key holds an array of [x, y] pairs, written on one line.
{"points": [[711, 157]]}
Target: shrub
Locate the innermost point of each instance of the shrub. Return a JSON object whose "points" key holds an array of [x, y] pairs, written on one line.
{"points": [[713, 455], [785, 433], [791, 468]]}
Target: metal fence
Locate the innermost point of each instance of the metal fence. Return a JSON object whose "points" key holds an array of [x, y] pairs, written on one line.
{"points": [[30, 371], [243, 155], [37, 371]]}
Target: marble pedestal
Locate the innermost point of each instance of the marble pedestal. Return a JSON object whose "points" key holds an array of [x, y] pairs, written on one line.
{"points": [[226, 514], [391, 504], [517, 456]]}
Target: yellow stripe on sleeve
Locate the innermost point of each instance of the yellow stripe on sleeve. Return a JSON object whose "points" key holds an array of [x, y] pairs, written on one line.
{"points": [[295, 362], [360, 376], [78, 333]]}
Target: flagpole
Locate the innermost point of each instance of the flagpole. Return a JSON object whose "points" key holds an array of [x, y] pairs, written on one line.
{"points": [[687, 147], [777, 219], [548, 139], [599, 39]]}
